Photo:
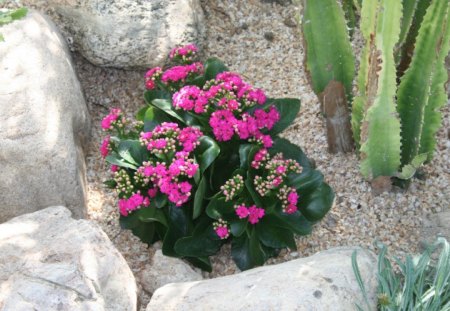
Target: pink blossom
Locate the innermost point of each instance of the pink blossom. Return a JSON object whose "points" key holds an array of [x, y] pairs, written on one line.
{"points": [[293, 197], [255, 214], [114, 168], [290, 209], [223, 232], [188, 49], [222, 123], [242, 211], [151, 76], [232, 77], [280, 170], [134, 202], [189, 138], [185, 187], [180, 73], [152, 192], [185, 98], [277, 181], [104, 148], [109, 120]]}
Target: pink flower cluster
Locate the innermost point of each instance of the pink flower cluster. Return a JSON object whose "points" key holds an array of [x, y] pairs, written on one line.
{"points": [[289, 199], [151, 76], [134, 202], [113, 118], [253, 213], [190, 98], [221, 229], [105, 147], [181, 73], [184, 52], [168, 137]]}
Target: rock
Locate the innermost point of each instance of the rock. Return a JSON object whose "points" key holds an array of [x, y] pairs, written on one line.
{"points": [[43, 121], [49, 261], [435, 225], [128, 33], [325, 281], [165, 270]]}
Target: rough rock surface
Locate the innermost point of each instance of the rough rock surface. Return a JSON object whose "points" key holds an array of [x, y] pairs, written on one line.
{"points": [[324, 281], [43, 121], [436, 225], [165, 270], [49, 261], [129, 33]]}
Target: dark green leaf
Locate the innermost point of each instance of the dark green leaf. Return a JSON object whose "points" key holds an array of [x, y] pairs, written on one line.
{"points": [[290, 151], [218, 208], [272, 235], [250, 188], [180, 226], [151, 214], [294, 222], [213, 66], [206, 152], [113, 159], [132, 152], [160, 200], [247, 252], [200, 244], [200, 262], [246, 154], [166, 106], [153, 117], [288, 109], [19, 13], [238, 226], [315, 205], [156, 94], [111, 183], [199, 197], [306, 182]]}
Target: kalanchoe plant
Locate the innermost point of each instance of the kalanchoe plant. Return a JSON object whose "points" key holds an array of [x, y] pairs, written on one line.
{"points": [[203, 165]]}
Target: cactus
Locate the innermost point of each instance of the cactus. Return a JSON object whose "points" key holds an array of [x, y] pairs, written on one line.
{"points": [[421, 91], [327, 58], [380, 128]]}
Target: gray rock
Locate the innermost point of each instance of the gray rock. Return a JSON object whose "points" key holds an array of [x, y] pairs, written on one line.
{"points": [[49, 261], [324, 281], [43, 121], [129, 33], [435, 225], [165, 270]]}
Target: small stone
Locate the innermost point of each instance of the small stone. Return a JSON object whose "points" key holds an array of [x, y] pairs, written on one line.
{"points": [[290, 22], [244, 26], [269, 36]]}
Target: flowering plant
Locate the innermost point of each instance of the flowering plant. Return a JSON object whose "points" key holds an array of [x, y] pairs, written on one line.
{"points": [[203, 165]]}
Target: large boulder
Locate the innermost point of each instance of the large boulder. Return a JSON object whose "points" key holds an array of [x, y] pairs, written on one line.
{"points": [[129, 33], [324, 281], [43, 121], [49, 261], [165, 270]]}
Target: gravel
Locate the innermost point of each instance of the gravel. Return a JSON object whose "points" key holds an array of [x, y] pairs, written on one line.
{"points": [[259, 40]]}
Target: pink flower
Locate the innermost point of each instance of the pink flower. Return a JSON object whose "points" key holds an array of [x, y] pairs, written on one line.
{"points": [[277, 181], [114, 168], [104, 148], [151, 76], [185, 98], [110, 119], [242, 211], [259, 157], [189, 138], [189, 49], [293, 197], [185, 187], [255, 214], [231, 77], [222, 123], [290, 209], [152, 192], [180, 73], [134, 202], [281, 170], [222, 232]]}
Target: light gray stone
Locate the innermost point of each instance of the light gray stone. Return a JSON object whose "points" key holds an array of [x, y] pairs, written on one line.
{"points": [[324, 281], [165, 270], [49, 261], [43, 121], [434, 226], [130, 33]]}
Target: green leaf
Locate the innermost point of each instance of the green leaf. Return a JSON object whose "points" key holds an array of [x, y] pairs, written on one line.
{"points": [[199, 197], [288, 109], [306, 182], [218, 208], [315, 205], [150, 95], [251, 189], [409, 170], [151, 214], [329, 54], [247, 252], [200, 262], [153, 117], [132, 151], [160, 200], [238, 227], [290, 151], [166, 106], [200, 244], [114, 159], [246, 154], [144, 231], [214, 66], [111, 183], [19, 13], [206, 152], [295, 222], [272, 235], [180, 226]]}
